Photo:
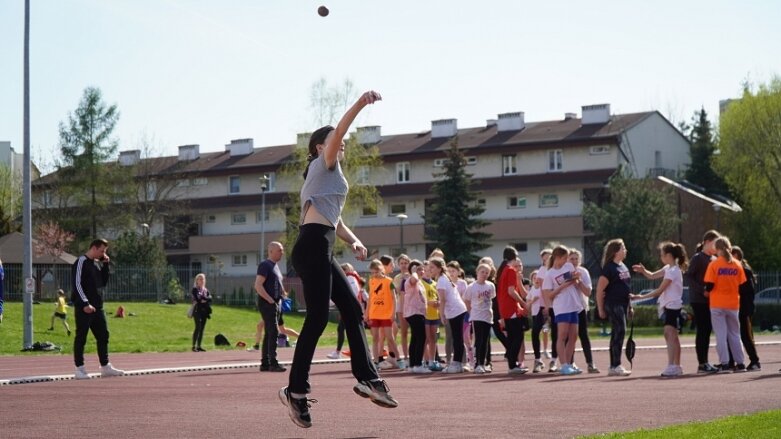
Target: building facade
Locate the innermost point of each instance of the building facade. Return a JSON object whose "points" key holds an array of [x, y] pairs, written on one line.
{"points": [[531, 177]]}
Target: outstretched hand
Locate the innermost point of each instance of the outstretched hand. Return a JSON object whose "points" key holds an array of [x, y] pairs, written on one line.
{"points": [[370, 97], [359, 251]]}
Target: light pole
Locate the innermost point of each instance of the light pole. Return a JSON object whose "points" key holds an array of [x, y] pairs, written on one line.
{"points": [[717, 209], [401, 218], [263, 188], [27, 262]]}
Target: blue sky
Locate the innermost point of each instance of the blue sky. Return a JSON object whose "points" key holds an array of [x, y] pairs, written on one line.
{"points": [[206, 72]]}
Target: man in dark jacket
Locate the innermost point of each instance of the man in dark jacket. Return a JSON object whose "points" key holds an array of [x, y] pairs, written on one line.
{"points": [[268, 284], [90, 273]]}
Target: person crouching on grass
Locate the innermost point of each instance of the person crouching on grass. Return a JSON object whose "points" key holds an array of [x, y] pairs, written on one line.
{"points": [[670, 294]]}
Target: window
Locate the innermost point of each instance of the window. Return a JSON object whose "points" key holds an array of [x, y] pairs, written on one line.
{"points": [[522, 247], [555, 160], [151, 190], [239, 218], [658, 159], [211, 218], [235, 185], [599, 150], [395, 209], [549, 200], [47, 198], [239, 260], [183, 182], [516, 202], [369, 210], [508, 165], [260, 217], [438, 163], [480, 202], [200, 181], [402, 172], [363, 175], [472, 160]]}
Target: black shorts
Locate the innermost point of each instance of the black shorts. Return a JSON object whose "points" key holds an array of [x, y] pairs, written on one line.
{"points": [[671, 317], [61, 315], [524, 323]]}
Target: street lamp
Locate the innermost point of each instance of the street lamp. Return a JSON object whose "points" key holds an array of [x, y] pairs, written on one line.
{"points": [[263, 188], [401, 218], [717, 209]]}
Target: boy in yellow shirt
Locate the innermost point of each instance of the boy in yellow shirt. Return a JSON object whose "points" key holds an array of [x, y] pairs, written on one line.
{"points": [[61, 312]]}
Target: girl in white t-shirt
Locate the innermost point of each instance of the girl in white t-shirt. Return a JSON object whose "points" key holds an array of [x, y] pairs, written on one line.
{"points": [[478, 298], [560, 287], [452, 310], [537, 304], [670, 294]]}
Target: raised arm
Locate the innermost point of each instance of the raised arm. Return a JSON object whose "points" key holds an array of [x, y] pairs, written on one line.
{"points": [[334, 143]]}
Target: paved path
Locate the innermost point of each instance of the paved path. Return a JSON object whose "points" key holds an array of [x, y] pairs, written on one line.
{"points": [[225, 396]]}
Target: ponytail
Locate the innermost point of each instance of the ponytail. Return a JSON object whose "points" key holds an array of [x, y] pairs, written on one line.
{"points": [[317, 138]]}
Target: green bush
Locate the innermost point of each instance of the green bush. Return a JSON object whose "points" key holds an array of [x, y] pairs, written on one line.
{"points": [[647, 315]]}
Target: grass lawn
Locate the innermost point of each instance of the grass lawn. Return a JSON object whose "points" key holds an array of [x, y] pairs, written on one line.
{"points": [[756, 426], [153, 328]]}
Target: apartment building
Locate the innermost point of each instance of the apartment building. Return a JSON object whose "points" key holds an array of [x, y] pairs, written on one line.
{"points": [[532, 178]]}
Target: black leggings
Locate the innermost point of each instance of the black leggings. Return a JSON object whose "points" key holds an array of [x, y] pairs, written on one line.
{"points": [[340, 334], [747, 336], [417, 340], [616, 313], [704, 328], [200, 324], [537, 324], [324, 280], [514, 328], [585, 341], [457, 330], [482, 336]]}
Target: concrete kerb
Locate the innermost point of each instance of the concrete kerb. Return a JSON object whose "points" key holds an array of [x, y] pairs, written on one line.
{"points": [[256, 364]]}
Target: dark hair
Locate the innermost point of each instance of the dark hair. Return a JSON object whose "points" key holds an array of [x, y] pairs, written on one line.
{"points": [[385, 259], [737, 252], [710, 235], [317, 138], [678, 252], [509, 254], [98, 243], [611, 248], [414, 263]]}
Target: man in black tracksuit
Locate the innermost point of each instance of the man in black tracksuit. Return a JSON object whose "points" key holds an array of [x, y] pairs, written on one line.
{"points": [[90, 273]]}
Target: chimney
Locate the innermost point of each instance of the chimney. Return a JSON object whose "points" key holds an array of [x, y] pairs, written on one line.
{"points": [[490, 123], [568, 116], [129, 158], [444, 128], [594, 114], [302, 139], [239, 147], [511, 121], [369, 135], [189, 152]]}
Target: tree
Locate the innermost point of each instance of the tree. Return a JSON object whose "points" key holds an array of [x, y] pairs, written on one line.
{"points": [[750, 160], [86, 144], [328, 103], [10, 201], [703, 147], [452, 222], [52, 241], [638, 211]]}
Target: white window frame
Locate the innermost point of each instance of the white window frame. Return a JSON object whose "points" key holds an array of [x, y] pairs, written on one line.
{"points": [[211, 219], [257, 215], [548, 196], [200, 181], [471, 160], [230, 185], [518, 203], [599, 150], [509, 168], [438, 163], [362, 176], [397, 205], [183, 182], [555, 160], [240, 262], [234, 215], [403, 170]]}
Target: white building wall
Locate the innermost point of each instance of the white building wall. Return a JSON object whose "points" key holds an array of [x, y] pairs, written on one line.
{"points": [[653, 134]]}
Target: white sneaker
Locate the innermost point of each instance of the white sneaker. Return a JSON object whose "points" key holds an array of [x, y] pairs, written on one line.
{"points": [[479, 370], [618, 371], [467, 368], [81, 373], [537, 366], [109, 371], [454, 367], [402, 364], [552, 366], [672, 371], [488, 368], [421, 370], [546, 354], [385, 365], [335, 355]]}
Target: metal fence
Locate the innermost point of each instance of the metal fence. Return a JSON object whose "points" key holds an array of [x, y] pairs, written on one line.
{"points": [[175, 283]]}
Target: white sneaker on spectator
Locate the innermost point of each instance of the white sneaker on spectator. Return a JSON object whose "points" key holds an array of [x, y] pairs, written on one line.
{"points": [[81, 373], [385, 365], [479, 370], [546, 354], [537, 366], [467, 368], [335, 355], [454, 367], [618, 371], [109, 371]]}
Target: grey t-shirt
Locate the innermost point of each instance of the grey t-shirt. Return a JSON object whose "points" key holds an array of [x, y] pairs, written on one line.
{"points": [[326, 189]]}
